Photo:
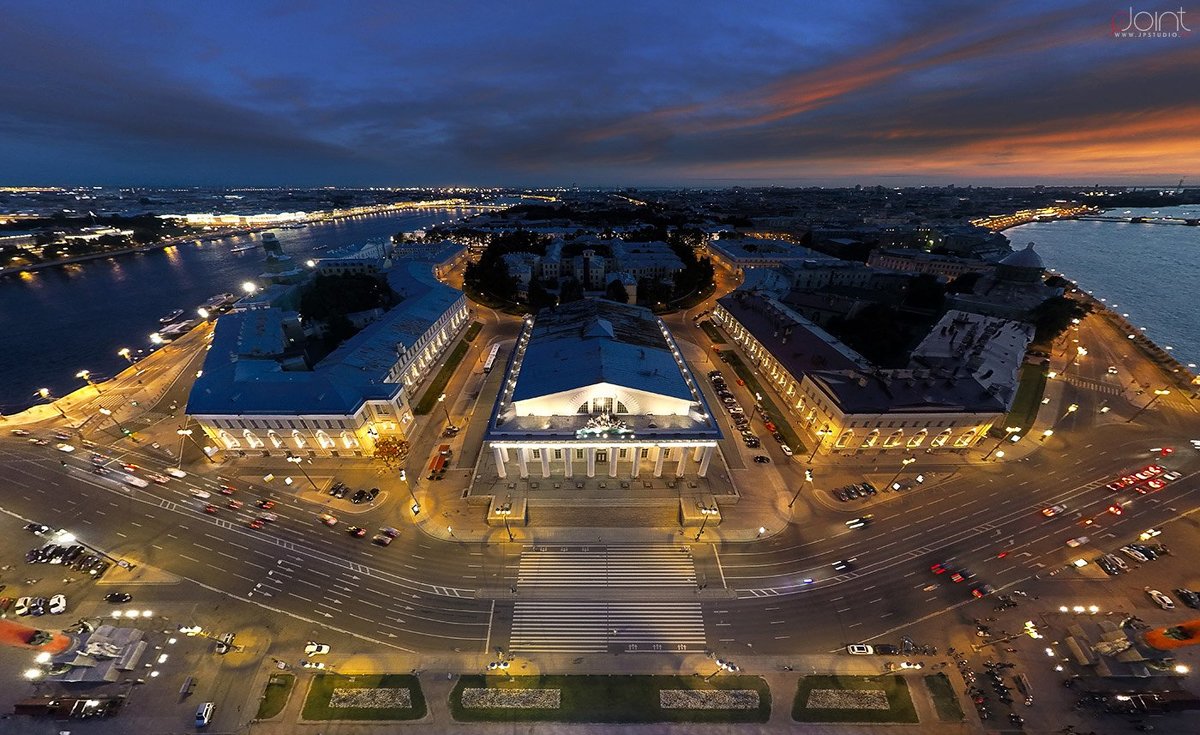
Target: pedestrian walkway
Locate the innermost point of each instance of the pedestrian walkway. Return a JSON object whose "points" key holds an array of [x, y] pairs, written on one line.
{"points": [[639, 565], [607, 627]]}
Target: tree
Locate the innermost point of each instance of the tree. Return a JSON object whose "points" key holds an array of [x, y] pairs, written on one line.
{"points": [[570, 290], [964, 283], [391, 452], [925, 292], [616, 292], [1053, 316]]}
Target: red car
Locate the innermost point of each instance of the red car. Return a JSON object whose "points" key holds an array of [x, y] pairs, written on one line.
{"points": [[938, 568], [235, 504], [210, 508], [130, 467], [227, 489], [357, 531], [1116, 509], [257, 523], [266, 504]]}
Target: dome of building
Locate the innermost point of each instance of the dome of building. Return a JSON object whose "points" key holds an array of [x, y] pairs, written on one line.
{"points": [[1026, 258]]}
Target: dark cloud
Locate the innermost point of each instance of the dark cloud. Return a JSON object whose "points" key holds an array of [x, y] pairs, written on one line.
{"points": [[551, 92]]}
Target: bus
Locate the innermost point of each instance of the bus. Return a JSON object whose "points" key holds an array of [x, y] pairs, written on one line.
{"points": [[491, 359]]}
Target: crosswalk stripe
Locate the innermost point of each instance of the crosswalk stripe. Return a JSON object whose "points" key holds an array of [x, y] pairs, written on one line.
{"points": [[607, 566], [595, 627]]}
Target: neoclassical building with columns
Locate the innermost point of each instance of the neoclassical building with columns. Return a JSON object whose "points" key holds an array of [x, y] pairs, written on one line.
{"points": [[599, 389]]}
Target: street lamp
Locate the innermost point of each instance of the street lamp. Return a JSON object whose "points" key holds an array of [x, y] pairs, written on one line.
{"points": [[109, 414], [1008, 432], [903, 463], [757, 404], [416, 506], [204, 313], [1047, 434], [298, 462], [442, 402], [249, 287], [44, 394], [808, 476], [504, 512], [87, 376], [706, 512], [185, 433], [124, 352], [820, 436], [1157, 394]]}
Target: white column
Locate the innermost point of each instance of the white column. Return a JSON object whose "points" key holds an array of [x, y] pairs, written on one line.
{"points": [[637, 462], [570, 455], [612, 461], [545, 461], [521, 462], [696, 453], [683, 458], [658, 461], [704, 460], [501, 455], [591, 461]]}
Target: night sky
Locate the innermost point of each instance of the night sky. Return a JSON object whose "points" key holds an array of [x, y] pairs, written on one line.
{"points": [[594, 93]]}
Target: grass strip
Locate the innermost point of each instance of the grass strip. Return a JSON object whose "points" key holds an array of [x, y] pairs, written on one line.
{"points": [[777, 416], [944, 699], [429, 400], [896, 688], [614, 699], [712, 332], [1029, 397], [279, 688], [472, 332], [316, 705]]}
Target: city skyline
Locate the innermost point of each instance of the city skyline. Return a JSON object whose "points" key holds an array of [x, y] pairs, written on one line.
{"points": [[305, 94]]}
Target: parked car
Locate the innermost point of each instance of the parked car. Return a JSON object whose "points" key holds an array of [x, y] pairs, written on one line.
{"points": [[1166, 603], [859, 649], [58, 604]]}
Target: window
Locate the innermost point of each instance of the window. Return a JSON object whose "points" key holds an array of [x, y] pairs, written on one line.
{"points": [[578, 454], [558, 454], [621, 408], [622, 453], [645, 452], [537, 454], [583, 408]]}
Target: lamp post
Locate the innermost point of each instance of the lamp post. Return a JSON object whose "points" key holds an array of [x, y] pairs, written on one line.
{"points": [[1157, 394], [504, 512], [808, 476], [1047, 434], [124, 352], [903, 463], [44, 394], [298, 462], [109, 414], [185, 433], [442, 402], [416, 506], [1008, 432], [820, 436], [757, 404], [1070, 410], [87, 376], [706, 512]]}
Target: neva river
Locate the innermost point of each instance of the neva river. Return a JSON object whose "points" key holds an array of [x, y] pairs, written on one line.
{"points": [[1148, 271], [59, 321]]}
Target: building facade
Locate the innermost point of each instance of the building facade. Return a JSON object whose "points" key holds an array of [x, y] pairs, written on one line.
{"points": [[595, 388]]}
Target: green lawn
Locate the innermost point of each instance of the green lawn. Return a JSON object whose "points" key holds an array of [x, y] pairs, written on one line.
{"points": [[316, 705], [472, 332], [275, 696], [1029, 397], [948, 708], [626, 699], [778, 417], [429, 400], [901, 710], [712, 332]]}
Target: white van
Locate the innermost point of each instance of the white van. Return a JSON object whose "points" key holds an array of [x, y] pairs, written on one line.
{"points": [[204, 714]]}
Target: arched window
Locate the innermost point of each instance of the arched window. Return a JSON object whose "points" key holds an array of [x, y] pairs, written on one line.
{"points": [[228, 440], [251, 440], [940, 439], [894, 438], [583, 408], [349, 440], [871, 438], [845, 439], [966, 438], [298, 439], [621, 408], [918, 438], [324, 440], [275, 440]]}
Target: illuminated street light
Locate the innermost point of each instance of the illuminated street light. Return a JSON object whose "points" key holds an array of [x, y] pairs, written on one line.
{"points": [[124, 352], [33, 674], [87, 376], [298, 462], [1009, 432], [156, 339], [442, 401], [44, 394], [1157, 394], [249, 287], [204, 313], [808, 477], [1047, 434]]}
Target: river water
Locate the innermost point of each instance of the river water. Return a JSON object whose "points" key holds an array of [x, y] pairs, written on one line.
{"points": [[1147, 271], [58, 321]]}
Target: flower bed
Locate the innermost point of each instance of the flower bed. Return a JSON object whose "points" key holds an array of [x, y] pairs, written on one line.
{"points": [[370, 698], [708, 699], [847, 699], [478, 698]]}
